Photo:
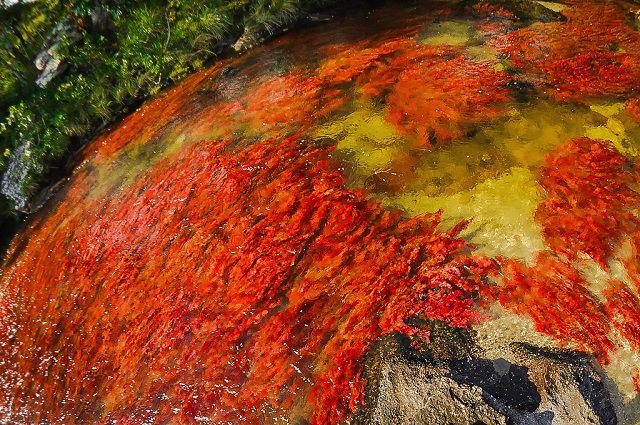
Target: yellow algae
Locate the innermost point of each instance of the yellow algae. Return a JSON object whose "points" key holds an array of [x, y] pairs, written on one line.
{"points": [[615, 131], [459, 167], [365, 139], [454, 33], [362, 124], [502, 213], [608, 110], [530, 133], [556, 7], [370, 161], [601, 132], [616, 126], [482, 53], [523, 138]]}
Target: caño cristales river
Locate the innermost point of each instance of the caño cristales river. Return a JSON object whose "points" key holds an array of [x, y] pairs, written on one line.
{"points": [[231, 251]]}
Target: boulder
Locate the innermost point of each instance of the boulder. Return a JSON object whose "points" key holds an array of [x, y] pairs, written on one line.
{"points": [[542, 386]]}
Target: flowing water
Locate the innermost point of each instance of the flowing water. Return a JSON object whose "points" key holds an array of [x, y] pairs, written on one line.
{"points": [[230, 252]]}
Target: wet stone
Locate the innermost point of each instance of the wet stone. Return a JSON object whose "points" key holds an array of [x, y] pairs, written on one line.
{"points": [[541, 386]]}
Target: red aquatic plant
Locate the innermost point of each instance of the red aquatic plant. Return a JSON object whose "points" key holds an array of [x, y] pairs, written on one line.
{"points": [[590, 208], [232, 281], [590, 199], [289, 100], [623, 310], [435, 93], [593, 74], [633, 108], [444, 100], [557, 299], [485, 9], [593, 53], [344, 63]]}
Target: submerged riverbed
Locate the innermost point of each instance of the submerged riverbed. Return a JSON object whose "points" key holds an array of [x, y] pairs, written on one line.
{"points": [[232, 251]]}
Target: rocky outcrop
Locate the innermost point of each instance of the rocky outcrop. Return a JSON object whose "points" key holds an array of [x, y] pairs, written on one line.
{"points": [[48, 61], [19, 166], [541, 387]]}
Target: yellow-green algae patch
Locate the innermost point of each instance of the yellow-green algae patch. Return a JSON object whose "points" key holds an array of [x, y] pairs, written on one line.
{"points": [[455, 33], [622, 131], [365, 138], [556, 7], [530, 133], [489, 177], [501, 210]]}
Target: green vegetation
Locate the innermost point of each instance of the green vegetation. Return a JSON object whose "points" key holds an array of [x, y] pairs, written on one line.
{"points": [[114, 53]]}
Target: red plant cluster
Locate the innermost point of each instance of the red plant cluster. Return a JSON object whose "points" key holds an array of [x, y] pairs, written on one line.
{"points": [[289, 100], [590, 199], [591, 208], [484, 9], [440, 100], [633, 108], [554, 295], [233, 281], [345, 63], [432, 93], [623, 310], [593, 54]]}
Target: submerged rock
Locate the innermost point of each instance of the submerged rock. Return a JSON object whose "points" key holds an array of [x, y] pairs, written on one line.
{"points": [[529, 10], [541, 386]]}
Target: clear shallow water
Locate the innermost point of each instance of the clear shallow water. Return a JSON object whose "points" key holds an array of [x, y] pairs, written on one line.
{"points": [[231, 250]]}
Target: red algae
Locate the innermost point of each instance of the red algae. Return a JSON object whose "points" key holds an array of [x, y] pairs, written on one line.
{"points": [[554, 295], [232, 281], [290, 100], [590, 199], [434, 93], [344, 63], [633, 108], [623, 310], [444, 100], [593, 54], [484, 9], [240, 280]]}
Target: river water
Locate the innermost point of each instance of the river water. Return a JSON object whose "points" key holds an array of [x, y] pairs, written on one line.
{"points": [[230, 252]]}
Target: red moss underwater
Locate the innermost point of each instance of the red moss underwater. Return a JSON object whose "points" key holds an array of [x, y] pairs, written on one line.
{"points": [[591, 199], [594, 53], [232, 281], [433, 94]]}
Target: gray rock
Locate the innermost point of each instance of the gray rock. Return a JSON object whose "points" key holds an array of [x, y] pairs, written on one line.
{"points": [[542, 387], [19, 166], [48, 60]]}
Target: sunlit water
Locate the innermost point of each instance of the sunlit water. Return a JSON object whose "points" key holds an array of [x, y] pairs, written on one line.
{"points": [[231, 250]]}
